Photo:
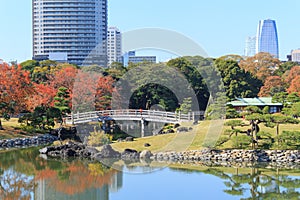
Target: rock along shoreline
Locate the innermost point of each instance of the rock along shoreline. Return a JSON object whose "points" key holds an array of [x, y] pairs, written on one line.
{"points": [[72, 149], [27, 142]]}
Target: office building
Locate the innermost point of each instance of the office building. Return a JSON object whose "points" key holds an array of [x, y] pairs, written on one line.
{"points": [[70, 30], [267, 38], [250, 48], [114, 45], [295, 55], [131, 57]]}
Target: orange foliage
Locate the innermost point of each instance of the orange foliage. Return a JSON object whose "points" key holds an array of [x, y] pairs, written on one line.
{"points": [[295, 71], [270, 83], [295, 85], [261, 65], [79, 179], [15, 86], [84, 91], [64, 77], [43, 95], [104, 92]]}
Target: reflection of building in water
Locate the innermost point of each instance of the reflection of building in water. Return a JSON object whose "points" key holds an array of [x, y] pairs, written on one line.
{"points": [[116, 182], [44, 191]]}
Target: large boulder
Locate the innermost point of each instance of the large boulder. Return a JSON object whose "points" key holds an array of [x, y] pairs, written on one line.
{"points": [[108, 152], [130, 154], [182, 129], [129, 139], [146, 154], [46, 150]]}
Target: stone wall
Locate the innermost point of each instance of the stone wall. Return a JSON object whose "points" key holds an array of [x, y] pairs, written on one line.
{"points": [[27, 142], [276, 156]]}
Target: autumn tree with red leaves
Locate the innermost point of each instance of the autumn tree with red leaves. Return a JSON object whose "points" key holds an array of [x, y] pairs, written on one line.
{"points": [[295, 85], [260, 65], [291, 75], [65, 77], [273, 84], [15, 89], [104, 93]]}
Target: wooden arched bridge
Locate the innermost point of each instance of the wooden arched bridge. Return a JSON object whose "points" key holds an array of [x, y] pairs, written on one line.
{"points": [[135, 115]]}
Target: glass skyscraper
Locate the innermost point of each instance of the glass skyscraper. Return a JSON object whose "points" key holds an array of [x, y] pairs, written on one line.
{"points": [[74, 31], [267, 38]]}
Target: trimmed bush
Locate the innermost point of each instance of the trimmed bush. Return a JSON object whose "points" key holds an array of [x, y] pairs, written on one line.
{"points": [[241, 141]]}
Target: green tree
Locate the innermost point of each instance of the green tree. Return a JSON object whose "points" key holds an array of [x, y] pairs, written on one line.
{"points": [[186, 106], [233, 124], [62, 101], [276, 120], [42, 118], [5, 109], [290, 140], [284, 67], [237, 82], [265, 139], [280, 97], [193, 76], [29, 65], [241, 141]]}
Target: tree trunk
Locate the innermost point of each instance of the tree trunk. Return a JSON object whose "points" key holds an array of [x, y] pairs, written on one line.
{"points": [[1, 127], [252, 137], [277, 133]]}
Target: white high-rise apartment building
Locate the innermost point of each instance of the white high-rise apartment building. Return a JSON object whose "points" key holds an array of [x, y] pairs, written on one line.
{"points": [[250, 47], [295, 55], [74, 31], [114, 45]]}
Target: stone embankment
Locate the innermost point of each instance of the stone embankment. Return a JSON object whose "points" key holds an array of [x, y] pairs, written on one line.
{"points": [[276, 156], [27, 142], [74, 149]]}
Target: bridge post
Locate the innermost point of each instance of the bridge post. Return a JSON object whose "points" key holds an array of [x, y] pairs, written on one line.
{"points": [[193, 116], [72, 118], [142, 127]]}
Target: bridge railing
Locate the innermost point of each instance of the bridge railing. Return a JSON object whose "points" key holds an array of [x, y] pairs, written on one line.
{"points": [[134, 114]]}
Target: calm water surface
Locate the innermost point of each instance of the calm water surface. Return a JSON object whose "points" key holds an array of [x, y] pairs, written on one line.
{"points": [[25, 175]]}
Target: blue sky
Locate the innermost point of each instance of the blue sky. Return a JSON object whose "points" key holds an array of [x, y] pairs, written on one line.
{"points": [[220, 27]]}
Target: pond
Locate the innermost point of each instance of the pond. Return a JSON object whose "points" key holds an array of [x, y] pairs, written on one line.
{"points": [[26, 175]]}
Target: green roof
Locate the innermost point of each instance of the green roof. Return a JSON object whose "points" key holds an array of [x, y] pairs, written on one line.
{"points": [[261, 101]]}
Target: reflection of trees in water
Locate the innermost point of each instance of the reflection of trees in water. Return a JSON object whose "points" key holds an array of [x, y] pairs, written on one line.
{"points": [[22, 171], [14, 185], [76, 177], [260, 185]]}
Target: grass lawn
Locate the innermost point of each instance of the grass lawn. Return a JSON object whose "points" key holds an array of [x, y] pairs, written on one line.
{"points": [[11, 129], [193, 140]]}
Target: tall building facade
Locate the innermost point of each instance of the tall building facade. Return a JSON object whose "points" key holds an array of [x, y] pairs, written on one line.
{"points": [[71, 30], [131, 57], [267, 37], [114, 45], [295, 55], [250, 48]]}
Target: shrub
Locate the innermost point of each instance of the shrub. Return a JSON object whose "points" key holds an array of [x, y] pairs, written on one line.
{"points": [[231, 113], [98, 138], [290, 140], [241, 141], [265, 140], [31, 129]]}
